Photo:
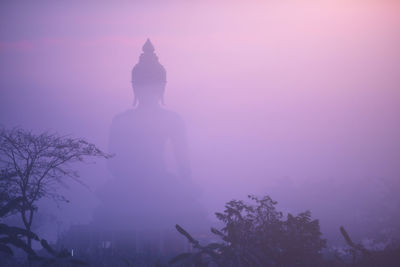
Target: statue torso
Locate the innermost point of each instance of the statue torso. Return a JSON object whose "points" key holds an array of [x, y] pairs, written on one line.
{"points": [[138, 139]]}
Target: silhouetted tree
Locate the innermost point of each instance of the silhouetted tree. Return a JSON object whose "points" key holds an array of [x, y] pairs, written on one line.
{"points": [[259, 235], [362, 257], [36, 164], [14, 236], [10, 235]]}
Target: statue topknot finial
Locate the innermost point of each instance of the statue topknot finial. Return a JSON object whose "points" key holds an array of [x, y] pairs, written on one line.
{"points": [[148, 47], [148, 72]]}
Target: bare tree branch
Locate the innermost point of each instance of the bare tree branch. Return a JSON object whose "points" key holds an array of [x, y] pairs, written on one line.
{"points": [[40, 164]]}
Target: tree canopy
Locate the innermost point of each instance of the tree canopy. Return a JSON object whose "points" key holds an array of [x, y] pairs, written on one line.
{"points": [[259, 235], [34, 165]]}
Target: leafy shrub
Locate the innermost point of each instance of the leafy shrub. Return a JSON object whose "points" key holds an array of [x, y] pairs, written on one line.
{"points": [[258, 235]]}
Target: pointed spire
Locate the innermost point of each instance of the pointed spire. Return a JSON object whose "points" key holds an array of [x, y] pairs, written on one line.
{"points": [[148, 47], [148, 70]]}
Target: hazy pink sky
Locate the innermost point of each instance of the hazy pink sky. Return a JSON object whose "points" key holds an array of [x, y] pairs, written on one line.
{"points": [[302, 89]]}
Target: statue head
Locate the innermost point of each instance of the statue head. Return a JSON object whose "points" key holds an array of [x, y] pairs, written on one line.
{"points": [[148, 77]]}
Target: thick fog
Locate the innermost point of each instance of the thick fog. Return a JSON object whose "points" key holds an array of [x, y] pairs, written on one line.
{"points": [[297, 100]]}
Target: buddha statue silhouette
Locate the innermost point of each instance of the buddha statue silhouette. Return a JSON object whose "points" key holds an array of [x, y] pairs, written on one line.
{"points": [[143, 194]]}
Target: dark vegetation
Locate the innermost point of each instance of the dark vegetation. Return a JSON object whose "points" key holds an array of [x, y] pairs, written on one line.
{"points": [[11, 236], [259, 235], [34, 165], [254, 234], [358, 255], [31, 167]]}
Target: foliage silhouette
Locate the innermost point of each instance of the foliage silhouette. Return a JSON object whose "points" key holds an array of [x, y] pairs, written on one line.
{"points": [[10, 235], [362, 257], [37, 164], [14, 236], [258, 235]]}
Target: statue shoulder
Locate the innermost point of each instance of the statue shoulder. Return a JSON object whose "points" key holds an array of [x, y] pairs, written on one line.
{"points": [[174, 118], [124, 116]]}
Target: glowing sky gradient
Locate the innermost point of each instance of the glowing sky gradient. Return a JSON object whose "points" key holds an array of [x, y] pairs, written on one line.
{"points": [[301, 90]]}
